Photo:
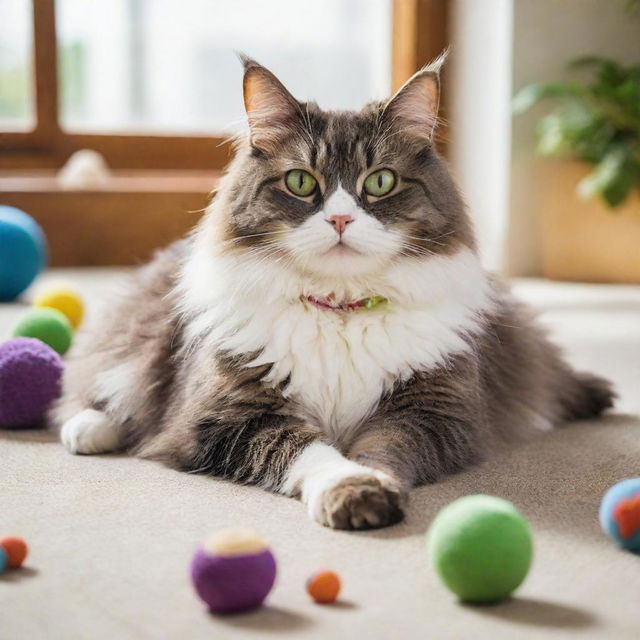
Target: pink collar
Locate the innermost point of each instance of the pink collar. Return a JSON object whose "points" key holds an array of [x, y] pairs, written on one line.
{"points": [[327, 302]]}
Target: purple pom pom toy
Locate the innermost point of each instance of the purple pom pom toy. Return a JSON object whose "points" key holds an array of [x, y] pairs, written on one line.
{"points": [[233, 571], [30, 380]]}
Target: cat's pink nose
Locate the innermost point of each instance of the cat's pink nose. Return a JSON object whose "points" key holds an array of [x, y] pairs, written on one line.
{"points": [[340, 223]]}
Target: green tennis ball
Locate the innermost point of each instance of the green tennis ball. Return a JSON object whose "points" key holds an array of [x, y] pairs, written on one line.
{"points": [[481, 548], [48, 325]]}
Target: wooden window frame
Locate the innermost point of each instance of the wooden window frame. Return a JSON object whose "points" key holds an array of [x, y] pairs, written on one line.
{"points": [[419, 34], [151, 173], [48, 145]]}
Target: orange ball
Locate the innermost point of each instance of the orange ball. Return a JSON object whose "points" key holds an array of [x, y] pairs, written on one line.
{"points": [[16, 549], [324, 587]]}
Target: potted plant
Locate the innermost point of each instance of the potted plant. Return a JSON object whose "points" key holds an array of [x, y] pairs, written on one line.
{"points": [[591, 223]]}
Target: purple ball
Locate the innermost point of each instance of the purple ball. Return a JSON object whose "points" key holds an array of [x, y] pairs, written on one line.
{"points": [[232, 583], [30, 380]]}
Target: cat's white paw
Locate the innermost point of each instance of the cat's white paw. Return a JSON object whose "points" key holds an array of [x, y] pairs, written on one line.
{"points": [[365, 500], [341, 493], [90, 431]]}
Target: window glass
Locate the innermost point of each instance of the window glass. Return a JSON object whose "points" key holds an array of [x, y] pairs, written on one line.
{"points": [[16, 65], [171, 65]]}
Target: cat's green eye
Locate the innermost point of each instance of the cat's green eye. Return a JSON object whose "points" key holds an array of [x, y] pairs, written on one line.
{"points": [[379, 183], [301, 182]]}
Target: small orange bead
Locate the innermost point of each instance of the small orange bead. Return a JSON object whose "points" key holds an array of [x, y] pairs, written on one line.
{"points": [[16, 549], [324, 586]]}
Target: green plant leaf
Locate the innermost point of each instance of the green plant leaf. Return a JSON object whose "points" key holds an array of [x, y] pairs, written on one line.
{"points": [[589, 61], [551, 141], [613, 178], [632, 6], [529, 95], [561, 132], [596, 121]]}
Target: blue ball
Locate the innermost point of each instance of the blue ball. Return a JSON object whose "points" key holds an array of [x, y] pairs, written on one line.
{"points": [[23, 251], [4, 559], [620, 514]]}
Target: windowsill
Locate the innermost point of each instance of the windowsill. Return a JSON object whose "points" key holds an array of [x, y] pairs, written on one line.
{"points": [[152, 181], [120, 223]]}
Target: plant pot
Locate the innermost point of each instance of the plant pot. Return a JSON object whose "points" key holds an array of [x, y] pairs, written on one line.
{"points": [[583, 239]]}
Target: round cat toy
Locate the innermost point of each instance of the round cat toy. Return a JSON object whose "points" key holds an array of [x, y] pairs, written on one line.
{"points": [[324, 587], [48, 325], [22, 252], [4, 559], [16, 550], [64, 298], [481, 547], [30, 380], [233, 571], [620, 514]]}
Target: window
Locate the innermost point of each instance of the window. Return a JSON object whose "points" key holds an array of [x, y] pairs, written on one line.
{"points": [[154, 85], [16, 89], [143, 65]]}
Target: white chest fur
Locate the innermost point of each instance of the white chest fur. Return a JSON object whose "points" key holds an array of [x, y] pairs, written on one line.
{"points": [[337, 364]]}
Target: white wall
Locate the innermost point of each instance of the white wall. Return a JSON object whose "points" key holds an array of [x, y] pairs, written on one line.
{"points": [[479, 85], [499, 46]]}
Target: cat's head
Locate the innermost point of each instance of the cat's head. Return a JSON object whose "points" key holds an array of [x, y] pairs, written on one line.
{"points": [[340, 194]]}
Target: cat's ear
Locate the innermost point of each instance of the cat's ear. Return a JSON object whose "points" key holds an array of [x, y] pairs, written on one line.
{"points": [[414, 107], [272, 111]]}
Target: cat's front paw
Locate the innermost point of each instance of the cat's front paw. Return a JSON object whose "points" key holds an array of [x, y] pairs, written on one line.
{"points": [[89, 432], [362, 502]]}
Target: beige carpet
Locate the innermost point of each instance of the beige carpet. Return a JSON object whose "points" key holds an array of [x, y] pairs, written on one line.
{"points": [[111, 537]]}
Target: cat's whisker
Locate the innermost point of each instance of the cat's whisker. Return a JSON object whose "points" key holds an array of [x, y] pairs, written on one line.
{"points": [[201, 210], [418, 250], [256, 235], [273, 251], [425, 239], [269, 244], [438, 237]]}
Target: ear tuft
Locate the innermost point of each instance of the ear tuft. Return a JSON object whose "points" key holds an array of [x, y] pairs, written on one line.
{"points": [[247, 61], [435, 66], [415, 105], [271, 110]]}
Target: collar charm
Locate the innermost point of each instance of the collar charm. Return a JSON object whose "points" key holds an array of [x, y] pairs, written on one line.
{"points": [[327, 302]]}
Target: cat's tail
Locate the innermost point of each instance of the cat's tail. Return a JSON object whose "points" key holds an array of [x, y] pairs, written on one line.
{"points": [[587, 397]]}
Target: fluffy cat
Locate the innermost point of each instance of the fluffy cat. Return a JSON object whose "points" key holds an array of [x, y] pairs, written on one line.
{"points": [[327, 331]]}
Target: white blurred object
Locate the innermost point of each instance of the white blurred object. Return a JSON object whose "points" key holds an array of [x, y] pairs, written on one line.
{"points": [[85, 169]]}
